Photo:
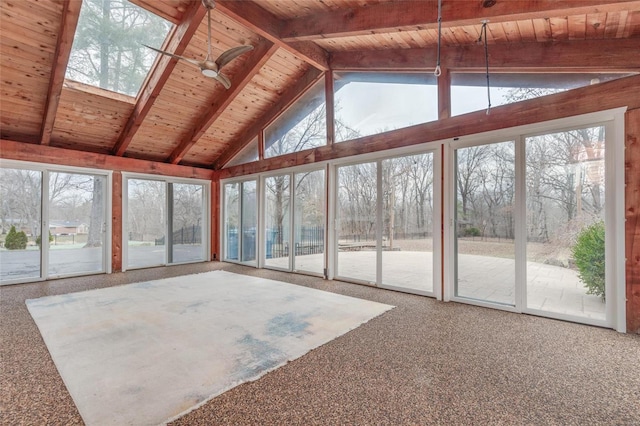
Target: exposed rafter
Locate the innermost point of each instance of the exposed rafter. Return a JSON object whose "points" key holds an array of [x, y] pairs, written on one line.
{"points": [[70, 15], [177, 43], [575, 55], [287, 98], [260, 55], [412, 15], [264, 23]]}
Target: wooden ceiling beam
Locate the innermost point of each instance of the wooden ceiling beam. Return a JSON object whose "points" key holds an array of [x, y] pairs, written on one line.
{"points": [[265, 24], [413, 15], [160, 73], [259, 56], [70, 16], [288, 97], [575, 55]]}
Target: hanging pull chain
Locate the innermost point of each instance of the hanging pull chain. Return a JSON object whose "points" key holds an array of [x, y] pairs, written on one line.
{"points": [[483, 33], [438, 70]]}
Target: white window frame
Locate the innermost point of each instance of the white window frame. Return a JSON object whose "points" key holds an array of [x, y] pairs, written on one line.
{"points": [[205, 229], [613, 120], [46, 169]]}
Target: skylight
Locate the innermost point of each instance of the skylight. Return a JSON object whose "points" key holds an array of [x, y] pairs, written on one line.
{"points": [[108, 49]]}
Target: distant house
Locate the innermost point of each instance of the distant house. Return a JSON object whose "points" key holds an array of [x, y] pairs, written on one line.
{"points": [[67, 227]]}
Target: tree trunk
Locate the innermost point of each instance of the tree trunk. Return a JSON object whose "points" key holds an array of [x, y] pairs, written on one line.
{"points": [[94, 239]]}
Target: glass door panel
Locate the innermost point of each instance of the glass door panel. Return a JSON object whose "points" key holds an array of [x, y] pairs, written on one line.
{"points": [[147, 201], [407, 233], [77, 223], [565, 184], [277, 221], [231, 221], [485, 223], [249, 212], [357, 221], [20, 224], [309, 221], [187, 222]]}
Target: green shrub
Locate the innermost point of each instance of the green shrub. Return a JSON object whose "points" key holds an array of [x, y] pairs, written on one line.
{"points": [[39, 239], [472, 232], [15, 240], [588, 253]]}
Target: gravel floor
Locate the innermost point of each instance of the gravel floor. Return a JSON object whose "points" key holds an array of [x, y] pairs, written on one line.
{"points": [[424, 362]]}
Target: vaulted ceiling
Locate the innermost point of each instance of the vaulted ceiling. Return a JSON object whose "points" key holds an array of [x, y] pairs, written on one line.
{"points": [[181, 117]]}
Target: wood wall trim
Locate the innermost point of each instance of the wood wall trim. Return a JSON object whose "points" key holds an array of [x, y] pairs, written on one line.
{"points": [[159, 74], [329, 107], [267, 25], [632, 218], [70, 16], [613, 94], [287, 98], [412, 15], [444, 94], [259, 56], [572, 55], [12, 150]]}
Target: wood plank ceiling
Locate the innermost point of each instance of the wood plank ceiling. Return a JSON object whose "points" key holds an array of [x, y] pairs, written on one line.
{"points": [[181, 117]]}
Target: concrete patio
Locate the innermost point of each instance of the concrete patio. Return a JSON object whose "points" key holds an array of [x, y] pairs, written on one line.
{"points": [[491, 279]]}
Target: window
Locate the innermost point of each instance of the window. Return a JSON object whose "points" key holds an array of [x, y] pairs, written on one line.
{"points": [[371, 103], [53, 222], [302, 126], [108, 49], [240, 221], [166, 221], [469, 90], [247, 155]]}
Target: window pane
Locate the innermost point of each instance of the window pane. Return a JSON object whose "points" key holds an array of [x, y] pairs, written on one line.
{"points": [[108, 49], [231, 220], [20, 212], [249, 221], [469, 90], [566, 199], [77, 223], [407, 235], [302, 126], [485, 223], [146, 223], [247, 155], [371, 103], [277, 220], [188, 205], [356, 215], [309, 221]]}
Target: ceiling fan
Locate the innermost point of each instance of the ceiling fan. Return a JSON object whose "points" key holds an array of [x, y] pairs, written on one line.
{"points": [[209, 67]]}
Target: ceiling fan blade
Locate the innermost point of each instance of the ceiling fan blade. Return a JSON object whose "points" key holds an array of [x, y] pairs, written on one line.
{"points": [[231, 54], [224, 80], [189, 60]]}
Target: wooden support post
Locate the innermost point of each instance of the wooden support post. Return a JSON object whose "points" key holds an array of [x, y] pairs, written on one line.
{"points": [[329, 102], [444, 94], [632, 216], [261, 145], [215, 219], [116, 222]]}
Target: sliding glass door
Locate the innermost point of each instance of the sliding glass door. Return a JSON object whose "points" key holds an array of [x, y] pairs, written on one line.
{"points": [[294, 221], [566, 222], [240, 221], [53, 222], [386, 214], [485, 223], [21, 224], [534, 224], [166, 222], [77, 225]]}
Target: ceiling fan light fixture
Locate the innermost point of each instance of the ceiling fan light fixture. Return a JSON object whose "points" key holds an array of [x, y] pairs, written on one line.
{"points": [[209, 72]]}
